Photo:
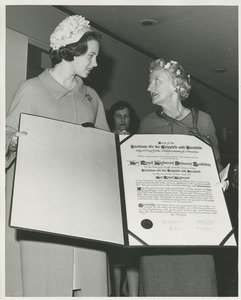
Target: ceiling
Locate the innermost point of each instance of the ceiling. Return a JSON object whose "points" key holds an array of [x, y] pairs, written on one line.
{"points": [[201, 38]]}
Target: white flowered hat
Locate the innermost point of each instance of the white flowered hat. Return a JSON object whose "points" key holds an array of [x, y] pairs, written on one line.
{"points": [[65, 32]]}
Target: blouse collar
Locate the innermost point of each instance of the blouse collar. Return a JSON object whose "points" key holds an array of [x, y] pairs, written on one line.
{"points": [[58, 90]]}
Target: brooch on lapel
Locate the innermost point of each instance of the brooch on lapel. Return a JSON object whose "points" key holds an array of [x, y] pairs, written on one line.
{"points": [[89, 98]]}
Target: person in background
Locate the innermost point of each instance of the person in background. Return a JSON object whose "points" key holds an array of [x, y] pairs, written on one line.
{"points": [[122, 118], [124, 263], [170, 272], [41, 264]]}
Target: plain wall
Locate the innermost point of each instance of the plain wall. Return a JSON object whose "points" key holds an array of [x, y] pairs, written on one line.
{"points": [[16, 62], [122, 73]]}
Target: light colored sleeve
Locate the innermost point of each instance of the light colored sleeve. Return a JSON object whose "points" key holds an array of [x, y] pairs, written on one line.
{"points": [[100, 119], [21, 103]]}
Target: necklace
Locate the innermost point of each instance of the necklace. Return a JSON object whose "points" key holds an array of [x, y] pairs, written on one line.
{"points": [[179, 115]]}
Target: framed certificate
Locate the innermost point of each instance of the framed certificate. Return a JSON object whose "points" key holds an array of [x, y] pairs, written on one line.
{"points": [[134, 191]]}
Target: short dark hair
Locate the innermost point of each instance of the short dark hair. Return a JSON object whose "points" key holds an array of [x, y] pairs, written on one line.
{"points": [[134, 119], [74, 49]]}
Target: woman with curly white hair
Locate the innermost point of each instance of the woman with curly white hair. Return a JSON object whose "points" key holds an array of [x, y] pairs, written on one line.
{"points": [[49, 265], [177, 271]]}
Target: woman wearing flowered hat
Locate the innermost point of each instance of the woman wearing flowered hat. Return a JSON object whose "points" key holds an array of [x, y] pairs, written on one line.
{"points": [[51, 266], [169, 272]]}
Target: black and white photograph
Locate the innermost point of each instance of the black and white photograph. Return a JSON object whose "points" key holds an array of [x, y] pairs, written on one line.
{"points": [[120, 130]]}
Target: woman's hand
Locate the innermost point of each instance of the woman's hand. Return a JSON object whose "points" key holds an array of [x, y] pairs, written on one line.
{"points": [[14, 141], [223, 178], [11, 145], [225, 185]]}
